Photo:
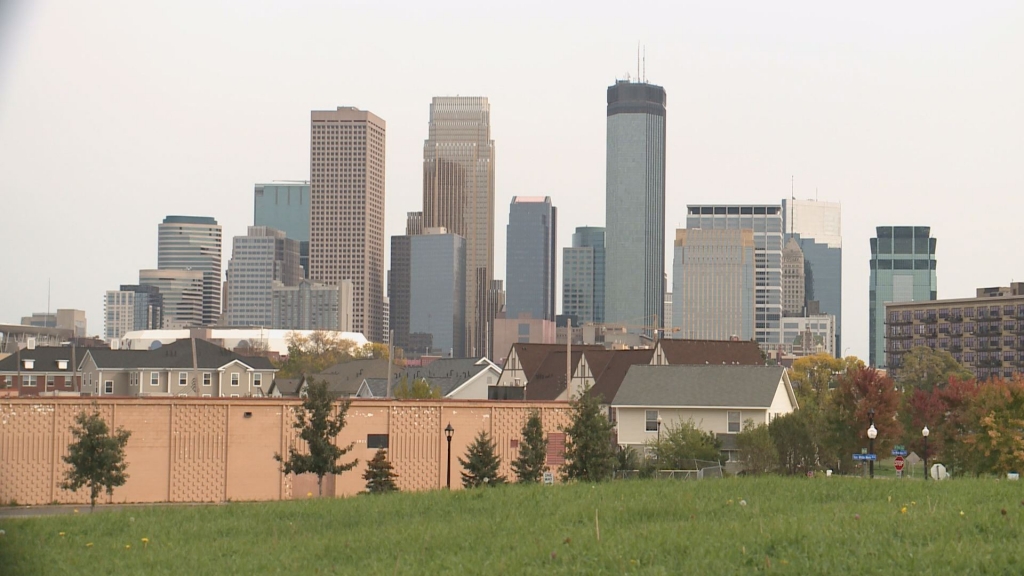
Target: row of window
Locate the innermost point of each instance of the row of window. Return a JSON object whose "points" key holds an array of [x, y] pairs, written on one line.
{"points": [[653, 421]]}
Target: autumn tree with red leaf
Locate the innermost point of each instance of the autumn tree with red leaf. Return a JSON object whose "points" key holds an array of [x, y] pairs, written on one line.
{"points": [[861, 390]]}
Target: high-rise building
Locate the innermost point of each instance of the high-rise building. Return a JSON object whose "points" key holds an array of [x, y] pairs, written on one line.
{"points": [[793, 303], [63, 318], [583, 277], [817, 228], [194, 243], [346, 166], [438, 292], [713, 290], [182, 294], [259, 258], [530, 258], [902, 270], [311, 306], [635, 204], [284, 206], [398, 279], [766, 223], [132, 307], [495, 307], [458, 195]]}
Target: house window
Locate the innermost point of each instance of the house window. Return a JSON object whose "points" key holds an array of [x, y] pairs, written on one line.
{"points": [[28, 381], [234, 379], [207, 379], [49, 379], [652, 421], [234, 395], [182, 395], [377, 441], [206, 395], [108, 387], [734, 421], [257, 379], [154, 378], [182, 378]]}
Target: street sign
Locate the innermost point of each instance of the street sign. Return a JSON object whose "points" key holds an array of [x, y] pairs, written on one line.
{"points": [[865, 457], [897, 452], [549, 478], [938, 472], [898, 463]]}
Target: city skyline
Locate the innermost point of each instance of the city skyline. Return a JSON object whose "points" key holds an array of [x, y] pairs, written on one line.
{"points": [[871, 127]]}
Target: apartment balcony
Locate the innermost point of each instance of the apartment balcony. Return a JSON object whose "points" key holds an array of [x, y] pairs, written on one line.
{"points": [[930, 320], [955, 349], [990, 364], [956, 319], [898, 322], [900, 336]]}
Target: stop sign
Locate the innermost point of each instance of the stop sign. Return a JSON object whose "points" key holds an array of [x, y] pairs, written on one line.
{"points": [[898, 463]]}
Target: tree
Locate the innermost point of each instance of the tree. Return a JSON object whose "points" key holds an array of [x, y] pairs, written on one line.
{"points": [[481, 463], [757, 449], [96, 457], [848, 414], [315, 353], [589, 454], [379, 474], [420, 389], [922, 368], [682, 444], [814, 376], [319, 430], [995, 420], [530, 465], [797, 439]]}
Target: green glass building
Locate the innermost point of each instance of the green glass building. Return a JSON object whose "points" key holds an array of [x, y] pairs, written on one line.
{"points": [[902, 270]]}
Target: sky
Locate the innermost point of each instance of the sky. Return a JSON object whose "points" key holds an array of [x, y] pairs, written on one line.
{"points": [[115, 114]]}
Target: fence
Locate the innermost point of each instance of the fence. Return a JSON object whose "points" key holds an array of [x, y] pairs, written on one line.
{"points": [[701, 469]]}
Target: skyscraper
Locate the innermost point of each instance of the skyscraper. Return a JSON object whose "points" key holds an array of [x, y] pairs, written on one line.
{"points": [[817, 227], [194, 243], [346, 166], [713, 284], [902, 270], [766, 223], [132, 307], [438, 291], [458, 195], [284, 206], [399, 280], [793, 303], [583, 276], [635, 204], [310, 306], [182, 294], [259, 258], [530, 258]]}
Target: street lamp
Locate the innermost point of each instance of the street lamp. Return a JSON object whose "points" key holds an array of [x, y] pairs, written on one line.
{"points": [[872, 433], [448, 431], [659, 428], [925, 432]]}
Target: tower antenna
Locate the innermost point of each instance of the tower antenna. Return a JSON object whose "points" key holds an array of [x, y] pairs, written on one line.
{"points": [[638, 60], [792, 198], [645, 65]]}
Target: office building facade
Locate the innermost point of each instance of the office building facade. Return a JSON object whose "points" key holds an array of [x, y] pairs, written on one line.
{"points": [[284, 206], [903, 269], [132, 307], [438, 292], [182, 295], [817, 228], [347, 210], [194, 243], [583, 276], [793, 279], [258, 259], [311, 306], [398, 279], [713, 284], [63, 318], [530, 258]]}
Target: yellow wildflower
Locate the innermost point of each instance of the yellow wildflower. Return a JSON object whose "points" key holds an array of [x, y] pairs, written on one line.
{"points": [[961, 512], [145, 540], [912, 503], [127, 546], [88, 544], [61, 534], [903, 510]]}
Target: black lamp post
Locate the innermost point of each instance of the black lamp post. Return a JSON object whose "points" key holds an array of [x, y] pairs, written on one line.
{"points": [[448, 431], [925, 433], [872, 433], [659, 431]]}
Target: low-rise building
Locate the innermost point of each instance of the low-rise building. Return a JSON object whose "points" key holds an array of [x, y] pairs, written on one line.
{"points": [[40, 371], [458, 378]]}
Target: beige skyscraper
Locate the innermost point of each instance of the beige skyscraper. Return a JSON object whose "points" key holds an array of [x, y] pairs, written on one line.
{"points": [[458, 194], [346, 168], [792, 279]]}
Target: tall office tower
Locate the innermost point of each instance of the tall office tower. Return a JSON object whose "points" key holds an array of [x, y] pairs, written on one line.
{"points": [[495, 306], [182, 293], [583, 276], [346, 242], [817, 227], [438, 295], [530, 258], [902, 270], [398, 279], [458, 194], [635, 204], [284, 206], [310, 306], [766, 223], [713, 286], [793, 303], [259, 258], [194, 243], [132, 307]]}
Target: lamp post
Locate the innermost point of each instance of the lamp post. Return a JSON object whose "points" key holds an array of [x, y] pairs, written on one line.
{"points": [[872, 433], [925, 433], [659, 430], [448, 431]]}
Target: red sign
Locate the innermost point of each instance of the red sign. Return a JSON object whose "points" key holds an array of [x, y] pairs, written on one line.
{"points": [[898, 463]]}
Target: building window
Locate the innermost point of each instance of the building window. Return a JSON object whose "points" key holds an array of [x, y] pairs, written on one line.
{"points": [[49, 379], [234, 395], [652, 421], [182, 395], [182, 378], [234, 379], [28, 381], [206, 395], [108, 387], [207, 379], [257, 380], [377, 441], [734, 421], [154, 378]]}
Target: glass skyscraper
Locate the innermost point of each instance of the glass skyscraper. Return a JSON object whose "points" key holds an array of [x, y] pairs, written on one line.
{"points": [[438, 291], [284, 206], [530, 258], [635, 204], [194, 243], [902, 270], [817, 228], [583, 276]]}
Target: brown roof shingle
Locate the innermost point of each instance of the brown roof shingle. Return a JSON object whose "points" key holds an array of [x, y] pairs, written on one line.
{"points": [[744, 353]]}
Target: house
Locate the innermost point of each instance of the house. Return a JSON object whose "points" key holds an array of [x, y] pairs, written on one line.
{"points": [[43, 370], [343, 379], [460, 378], [188, 367], [674, 352], [536, 371], [717, 398]]}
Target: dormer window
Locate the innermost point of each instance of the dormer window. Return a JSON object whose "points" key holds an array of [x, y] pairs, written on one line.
{"points": [[28, 364], [62, 364]]}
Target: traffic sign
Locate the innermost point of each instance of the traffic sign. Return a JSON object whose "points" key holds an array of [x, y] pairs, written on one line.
{"points": [[865, 457], [897, 452], [898, 463]]}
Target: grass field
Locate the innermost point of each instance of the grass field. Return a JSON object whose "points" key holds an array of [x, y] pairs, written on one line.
{"points": [[778, 525]]}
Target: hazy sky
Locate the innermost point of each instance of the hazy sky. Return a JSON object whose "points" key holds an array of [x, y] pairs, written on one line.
{"points": [[115, 114]]}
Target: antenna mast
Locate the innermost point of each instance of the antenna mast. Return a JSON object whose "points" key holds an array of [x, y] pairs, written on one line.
{"points": [[792, 198], [644, 76], [638, 60]]}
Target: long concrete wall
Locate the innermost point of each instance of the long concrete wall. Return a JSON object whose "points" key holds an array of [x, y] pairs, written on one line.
{"points": [[203, 450]]}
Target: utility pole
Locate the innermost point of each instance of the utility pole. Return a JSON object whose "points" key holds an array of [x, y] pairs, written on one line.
{"points": [[391, 359], [568, 357]]}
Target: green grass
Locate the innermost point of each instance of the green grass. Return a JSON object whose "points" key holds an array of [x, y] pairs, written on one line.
{"points": [[788, 525]]}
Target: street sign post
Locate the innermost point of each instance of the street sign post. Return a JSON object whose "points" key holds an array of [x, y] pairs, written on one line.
{"points": [[898, 463]]}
